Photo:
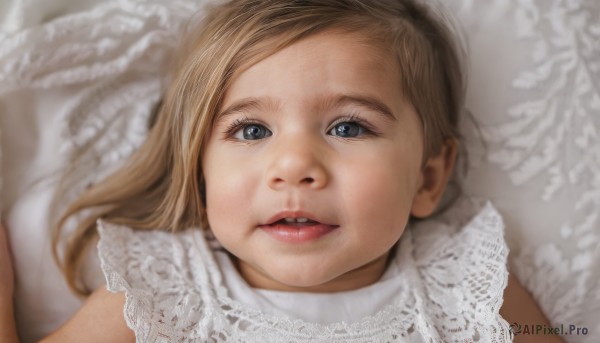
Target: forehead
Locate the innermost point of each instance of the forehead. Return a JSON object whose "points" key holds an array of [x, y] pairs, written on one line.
{"points": [[321, 65]]}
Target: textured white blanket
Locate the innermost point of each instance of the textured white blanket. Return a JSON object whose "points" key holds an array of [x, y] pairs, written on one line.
{"points": [[78, 80]]}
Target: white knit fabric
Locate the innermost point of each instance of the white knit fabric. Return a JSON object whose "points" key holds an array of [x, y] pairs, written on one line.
{"points": [[453, 274]]}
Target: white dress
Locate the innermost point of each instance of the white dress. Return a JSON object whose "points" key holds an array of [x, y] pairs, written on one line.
{"points": [[445, 284]]}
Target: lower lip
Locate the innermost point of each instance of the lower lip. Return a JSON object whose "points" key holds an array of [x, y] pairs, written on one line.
{"points": [[298, 234]]}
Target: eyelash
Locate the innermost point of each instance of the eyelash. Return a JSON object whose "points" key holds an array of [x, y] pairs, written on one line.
{"points": [[369, 130], [239, 123]]}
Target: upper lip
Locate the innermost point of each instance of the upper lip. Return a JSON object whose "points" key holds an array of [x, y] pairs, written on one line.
{"points": [[293, 214]]}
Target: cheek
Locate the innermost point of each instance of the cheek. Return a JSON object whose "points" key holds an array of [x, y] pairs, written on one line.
{"points": [[227, 186], [379, 192]]}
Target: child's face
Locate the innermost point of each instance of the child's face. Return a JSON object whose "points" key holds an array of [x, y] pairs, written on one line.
{"points": [[302, 149]]}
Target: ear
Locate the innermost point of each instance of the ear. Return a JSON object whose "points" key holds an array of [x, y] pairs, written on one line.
{"points": [[433, 179]]}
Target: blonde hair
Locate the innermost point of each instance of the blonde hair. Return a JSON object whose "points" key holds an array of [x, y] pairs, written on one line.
{"points": [[161, 186]]}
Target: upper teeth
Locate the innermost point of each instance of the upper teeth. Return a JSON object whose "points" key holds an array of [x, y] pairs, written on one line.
{"points": [[297, 220]]}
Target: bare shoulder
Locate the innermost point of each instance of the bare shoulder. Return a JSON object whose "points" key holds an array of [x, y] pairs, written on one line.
{"points": [[100, 319], [519, 307]]}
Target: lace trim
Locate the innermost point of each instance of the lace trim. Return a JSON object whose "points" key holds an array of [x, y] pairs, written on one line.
{"points": [[140, 272], [478, 283]]}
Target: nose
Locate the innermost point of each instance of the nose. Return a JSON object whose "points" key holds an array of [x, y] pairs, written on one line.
{"points": [[297, 163]]}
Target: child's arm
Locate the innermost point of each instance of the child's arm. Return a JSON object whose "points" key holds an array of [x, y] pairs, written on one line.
{"points": [[520, 307], [8, 329], [100, 319]]}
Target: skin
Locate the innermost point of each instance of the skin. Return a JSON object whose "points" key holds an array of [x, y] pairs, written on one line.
{"points": [[366, 184], [369, 185]]}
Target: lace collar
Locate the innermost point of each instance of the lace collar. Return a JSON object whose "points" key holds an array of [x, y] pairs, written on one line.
{"points": [[453, 287]]}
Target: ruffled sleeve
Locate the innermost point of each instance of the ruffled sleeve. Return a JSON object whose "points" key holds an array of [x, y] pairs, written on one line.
{"points": [[463, 267], [157, 272]]}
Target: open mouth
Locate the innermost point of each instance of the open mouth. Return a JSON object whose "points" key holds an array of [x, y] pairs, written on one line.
{"points": [[296, 222], [297, 230]]}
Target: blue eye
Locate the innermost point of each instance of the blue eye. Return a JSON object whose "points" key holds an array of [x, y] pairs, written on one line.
{"points": [[347, 129], [245, 129], [252, 132]]}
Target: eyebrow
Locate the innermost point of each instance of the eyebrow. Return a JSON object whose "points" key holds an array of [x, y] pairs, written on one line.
{"points": [[326, 103], [247, 104], [366, 101]]}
